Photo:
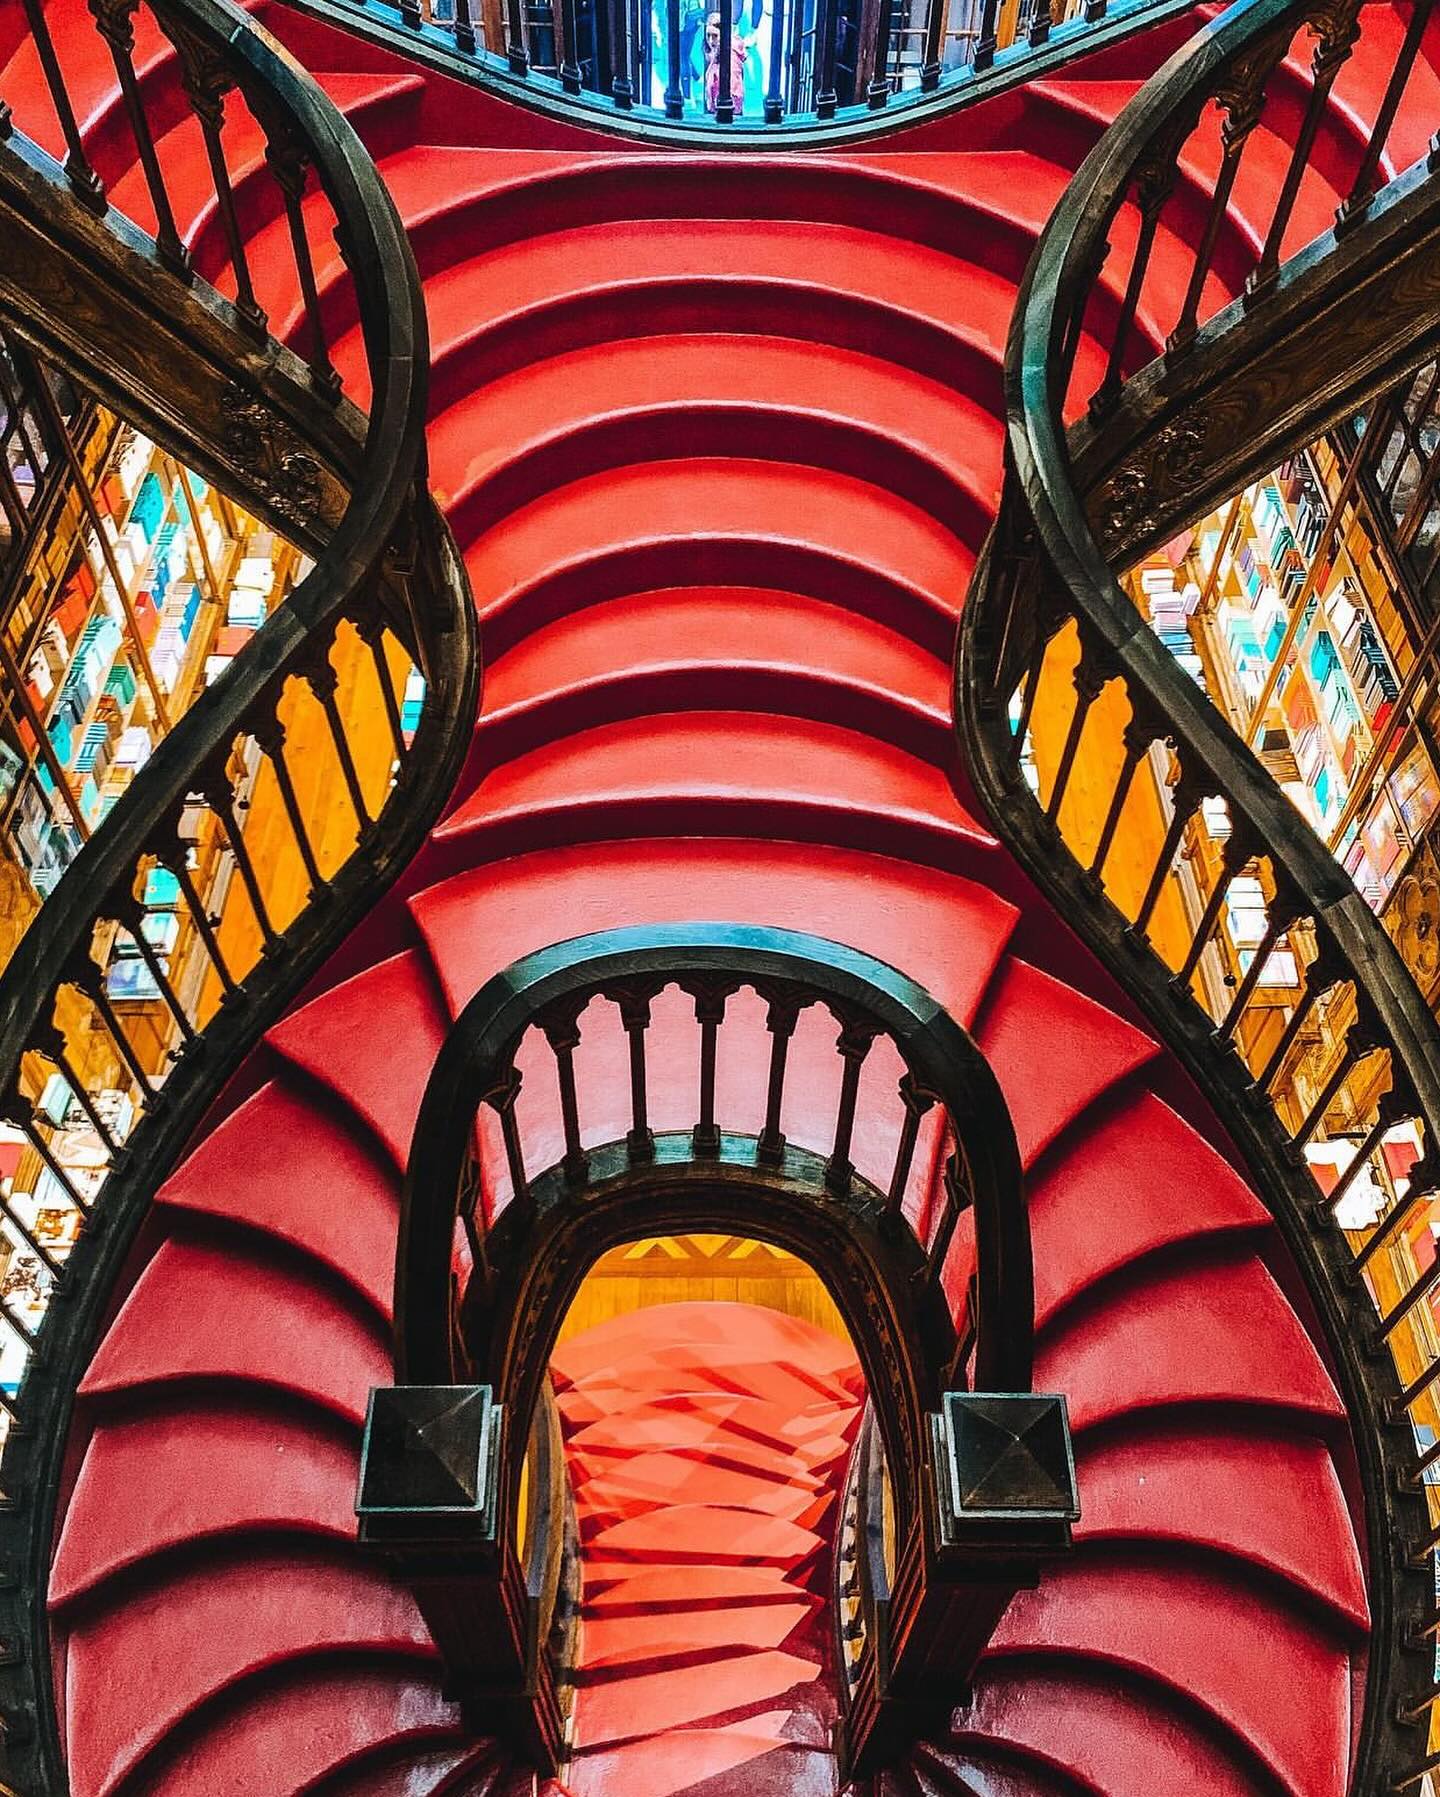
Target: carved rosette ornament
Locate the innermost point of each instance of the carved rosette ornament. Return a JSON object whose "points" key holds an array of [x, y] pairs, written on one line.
{"points": [[1128, 504], [270, 456]]}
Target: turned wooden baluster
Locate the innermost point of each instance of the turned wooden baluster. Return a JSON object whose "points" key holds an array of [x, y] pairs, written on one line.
{"points": [[916, 1101], [115, 21], [782, 1014], [1241, 98], [774, 102], [320, 676], [172, 852], [207, 82], [633, 1003], [129, 913], [501, 1098], [852, 1045], [827, 44], [1089, 680], [85, 184], [711, 997], [561, 1029], [937, 16], [219, 793], [987, 43], [1186, 795], [1338, 31], [674, 91], [269, 735], [290, 164], [725, 65], [1236, 855], [1154, 183], [88, 980]]}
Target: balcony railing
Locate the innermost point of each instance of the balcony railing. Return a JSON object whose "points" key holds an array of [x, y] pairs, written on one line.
{"points": [[654, 66], [1125, 793], [714, 1077]]}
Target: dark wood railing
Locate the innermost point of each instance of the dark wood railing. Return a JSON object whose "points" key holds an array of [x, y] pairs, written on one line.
{"points": [[260, 866], [1121, 789], [530, 1160], [804, 64]]}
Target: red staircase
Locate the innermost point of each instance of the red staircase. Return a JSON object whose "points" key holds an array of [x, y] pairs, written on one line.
{"points": [[718, 435]]}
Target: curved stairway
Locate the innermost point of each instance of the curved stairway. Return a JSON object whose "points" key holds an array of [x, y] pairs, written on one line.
{"points": [[719, 438]]}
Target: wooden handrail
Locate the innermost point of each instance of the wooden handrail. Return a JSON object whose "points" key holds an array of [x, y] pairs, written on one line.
{"points": [[387, 602]]}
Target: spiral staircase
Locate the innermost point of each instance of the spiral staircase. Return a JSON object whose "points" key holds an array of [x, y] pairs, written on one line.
{"points": [[720, 435]]}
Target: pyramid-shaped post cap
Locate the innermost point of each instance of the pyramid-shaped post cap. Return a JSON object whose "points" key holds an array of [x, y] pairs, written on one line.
{"points": [[429, 1462], [1004, 1458]]}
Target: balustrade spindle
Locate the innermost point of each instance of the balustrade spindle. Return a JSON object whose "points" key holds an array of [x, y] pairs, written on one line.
{"points": [[937, 15], [1136, 739], [634, 1007], [710, 1002], [174, 857], [472, 1219], [1154, 183], [674, 92], [916, 1101], [270, 740], [219, 795], [782, 1014], [85, 184], [1320, 976], [827, 38], [877, 91], [37, 1141], [115, 21], [207, 82], [725, 65], [1243, 101], [1367, 178], [518, 34], [502, 1101], [957, 1202], [1034, 674], [130, 915], [90, 980], [1235, 857], [774, 101], [291, 169], [1089, 683], [1331, 54], [1359, 1044], [52, 1045], [324, 682], [1186, 798], [852, 1045], [465, 40], [571, 77], [1330, 1201], [1039, 24], [986, 44], [621, 89], [562, 1032], [1280, 915]]}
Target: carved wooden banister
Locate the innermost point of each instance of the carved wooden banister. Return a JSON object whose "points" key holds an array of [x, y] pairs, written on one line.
{"points": [[523, 1172], [1214, 355], [325, 442]]}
